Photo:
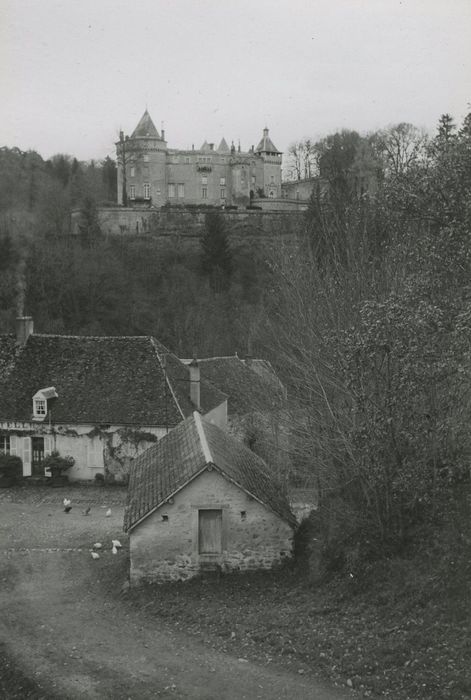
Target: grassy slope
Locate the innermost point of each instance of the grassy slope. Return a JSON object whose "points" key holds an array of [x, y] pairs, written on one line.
{"points": [[402, 630]]}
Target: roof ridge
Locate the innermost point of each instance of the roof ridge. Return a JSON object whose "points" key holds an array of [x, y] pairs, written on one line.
{"points": [[202, 436], [167, 379]]}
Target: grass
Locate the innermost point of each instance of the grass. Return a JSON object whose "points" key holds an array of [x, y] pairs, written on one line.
{"points": [[401, 630]]}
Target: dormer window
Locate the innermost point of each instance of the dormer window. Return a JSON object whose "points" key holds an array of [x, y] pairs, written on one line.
{"points": [[40, 399], [40, 408]]}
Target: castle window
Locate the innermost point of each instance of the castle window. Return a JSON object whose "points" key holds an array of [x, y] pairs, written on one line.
{"points": [[146, 159], [146, 190], [222, 181], [171, 190], [181, 189], [204, 192], [272, 194], [223, 193], [4, 444], [253, 179], [187, 160], [132, 192], [204, 180], [272, 178], [133, 171]]}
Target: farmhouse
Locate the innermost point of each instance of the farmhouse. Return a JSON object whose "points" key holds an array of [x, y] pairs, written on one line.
{"points": [[101, 400], [199, 499]]}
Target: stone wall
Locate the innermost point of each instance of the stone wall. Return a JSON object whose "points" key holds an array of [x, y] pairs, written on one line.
{"points": [[166, 548], [173, 228]]}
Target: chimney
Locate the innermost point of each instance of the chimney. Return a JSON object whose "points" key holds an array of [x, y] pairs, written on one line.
{"points": [[24, 328], [163, 135], [195, 383]]}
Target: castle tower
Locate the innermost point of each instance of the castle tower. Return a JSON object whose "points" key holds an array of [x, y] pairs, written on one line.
{"points": [[270, 170], [142, 165]]}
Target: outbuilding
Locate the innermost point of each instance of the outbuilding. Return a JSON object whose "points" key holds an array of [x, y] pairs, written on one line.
{"points": [[199, 499]]}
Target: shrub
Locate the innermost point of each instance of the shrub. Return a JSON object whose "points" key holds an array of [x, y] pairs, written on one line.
{"points": [[11, 469], [57, 464]]}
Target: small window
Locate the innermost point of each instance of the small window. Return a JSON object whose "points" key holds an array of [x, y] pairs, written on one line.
{"points": [[243, 515], [165, 518], [39, 407], [253, 179], [171, 190], [204, 192], [146, 159], [132, 192], [133, 171], [222, 181], [4, 444], [187, 160], [223, 193], [272, 194], [272, 178], [146, 190], [181, 190]]}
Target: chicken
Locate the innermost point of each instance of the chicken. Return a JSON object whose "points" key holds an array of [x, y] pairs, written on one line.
{"points": [[114, 550], [87, 510], [116, 543], [95, 555], [66, 502], [97, 545], [108, 513]]}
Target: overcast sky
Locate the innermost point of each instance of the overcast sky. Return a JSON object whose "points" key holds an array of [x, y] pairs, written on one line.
{"points": [[72, 73]]}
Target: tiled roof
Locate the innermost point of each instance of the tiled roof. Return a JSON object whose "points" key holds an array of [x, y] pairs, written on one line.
{"points": [[111, 380], [145, 127], [166, 467], [247, 391], [7, 354], [223, 147]]}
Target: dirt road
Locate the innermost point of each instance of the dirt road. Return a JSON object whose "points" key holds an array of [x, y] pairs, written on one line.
{"points": [[66, 623]]}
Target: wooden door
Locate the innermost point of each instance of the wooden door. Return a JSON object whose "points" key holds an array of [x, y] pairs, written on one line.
{"points": [[38, 456], [210, 531]]}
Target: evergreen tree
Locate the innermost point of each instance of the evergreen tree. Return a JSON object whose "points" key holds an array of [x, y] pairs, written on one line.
{"points": [[216, 258]]}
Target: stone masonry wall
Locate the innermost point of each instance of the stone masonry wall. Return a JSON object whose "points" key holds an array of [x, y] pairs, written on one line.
{"points": [[166, 549]]}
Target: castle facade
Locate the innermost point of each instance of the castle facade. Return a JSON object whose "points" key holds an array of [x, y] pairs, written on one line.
{"points": [[150, 173]]}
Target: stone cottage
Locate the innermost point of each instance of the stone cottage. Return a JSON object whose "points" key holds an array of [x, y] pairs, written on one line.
{"points": [[102, 400], [199, 499]]}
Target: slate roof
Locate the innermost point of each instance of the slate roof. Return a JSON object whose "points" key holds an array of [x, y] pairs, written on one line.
{"points": [[7, 354], [166, 467], [145, 128], [105, 380], [246, 389], [266, 145]]}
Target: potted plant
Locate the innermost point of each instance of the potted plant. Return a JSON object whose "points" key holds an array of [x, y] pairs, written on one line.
{"points": [[11, 470], [57, 465]]}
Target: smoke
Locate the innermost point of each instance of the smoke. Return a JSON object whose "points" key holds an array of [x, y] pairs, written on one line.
{"points": [[20, 286]]}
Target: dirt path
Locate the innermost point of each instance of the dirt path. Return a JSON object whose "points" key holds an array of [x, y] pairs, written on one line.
{"points": [[64, 621]]}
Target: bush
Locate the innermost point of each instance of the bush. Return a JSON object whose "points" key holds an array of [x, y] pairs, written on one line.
{"points": [[11, 470], [57, 464]]}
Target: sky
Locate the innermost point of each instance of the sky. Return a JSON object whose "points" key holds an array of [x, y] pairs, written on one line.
{"points": [[75, 72]]}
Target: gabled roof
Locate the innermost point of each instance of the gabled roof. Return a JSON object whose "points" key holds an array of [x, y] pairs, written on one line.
{"points": [[102, 380], [188, 450], [266, 145], [205, 147], [145, 128], [223, 147], [246, 390]]}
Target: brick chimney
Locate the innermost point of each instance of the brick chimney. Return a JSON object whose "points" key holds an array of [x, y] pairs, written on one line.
{"points": [[195, 383], [24, 328]]}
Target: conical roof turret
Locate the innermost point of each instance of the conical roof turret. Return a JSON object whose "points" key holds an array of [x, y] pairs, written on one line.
{"points": [[145, 128]]}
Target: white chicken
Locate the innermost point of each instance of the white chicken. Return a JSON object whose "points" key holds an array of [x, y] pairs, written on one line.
{"points": [[95, 555], [97, 545], [66, 502], [116, 543], [114, 550], [108, 513]]}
